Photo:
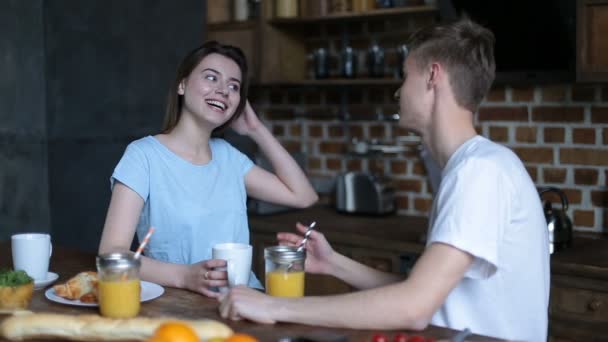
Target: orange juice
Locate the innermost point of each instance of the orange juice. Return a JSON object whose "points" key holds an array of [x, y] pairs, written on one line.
{"points": [[285, 284], [119, 298]]}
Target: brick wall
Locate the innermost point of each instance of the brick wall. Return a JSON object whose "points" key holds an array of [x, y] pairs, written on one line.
{"points": [[559, 131]]}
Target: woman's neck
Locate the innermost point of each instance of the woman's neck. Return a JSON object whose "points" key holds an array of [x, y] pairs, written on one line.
{"points": [[189, 141]]}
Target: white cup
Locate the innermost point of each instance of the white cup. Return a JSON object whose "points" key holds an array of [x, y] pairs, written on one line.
{"points": [[238, 262], [31, 253]]}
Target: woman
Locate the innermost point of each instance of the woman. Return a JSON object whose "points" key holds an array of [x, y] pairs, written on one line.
{"points": [[191, 186]]}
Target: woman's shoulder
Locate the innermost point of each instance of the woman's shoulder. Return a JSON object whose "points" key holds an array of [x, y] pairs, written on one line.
{"points": [[219, 144], [224, 150], [144, 143]]}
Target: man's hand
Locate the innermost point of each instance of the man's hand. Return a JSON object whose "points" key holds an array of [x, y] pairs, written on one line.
{"points": [[243, 302], [318, 250]]}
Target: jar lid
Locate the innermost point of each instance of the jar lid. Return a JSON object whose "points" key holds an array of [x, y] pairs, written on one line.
{"points": [[117, 261], [284, 253]]}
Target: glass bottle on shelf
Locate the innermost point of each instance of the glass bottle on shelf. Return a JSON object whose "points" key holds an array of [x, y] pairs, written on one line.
{"points": [[286, 8], [363, 5], [349, 62], [240, 10], [401, 55], [375, 60], [384, 3], [321, 63], [340, 6]]}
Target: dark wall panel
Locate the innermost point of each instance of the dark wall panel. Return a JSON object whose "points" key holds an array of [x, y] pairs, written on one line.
{"points": [[109, 66], [80, 80], [24, 205]]}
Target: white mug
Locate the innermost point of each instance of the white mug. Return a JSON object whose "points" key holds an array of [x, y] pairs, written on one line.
{"points": [[238, 262], [31, 253]]}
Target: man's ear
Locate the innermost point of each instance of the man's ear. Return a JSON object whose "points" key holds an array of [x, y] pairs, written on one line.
{"points": [[433, 78], [181, 87]]}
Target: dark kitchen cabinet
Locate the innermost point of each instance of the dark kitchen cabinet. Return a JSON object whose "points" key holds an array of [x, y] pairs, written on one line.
{"points": [[579, 292], [592, 41], [242, 34], [280, 49]]}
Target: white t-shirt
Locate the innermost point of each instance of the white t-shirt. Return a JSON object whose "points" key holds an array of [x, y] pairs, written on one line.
{"points": [[488, 207]]}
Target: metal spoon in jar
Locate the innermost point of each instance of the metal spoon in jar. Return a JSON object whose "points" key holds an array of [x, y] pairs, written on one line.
{"points": [[306, 235]]}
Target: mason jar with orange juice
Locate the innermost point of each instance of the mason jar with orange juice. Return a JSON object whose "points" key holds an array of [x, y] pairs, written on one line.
{"points": [[284, 271], [119, 289]]}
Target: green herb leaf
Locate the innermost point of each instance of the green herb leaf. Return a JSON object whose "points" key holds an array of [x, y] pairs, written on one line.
{"points": [[14, 278]]}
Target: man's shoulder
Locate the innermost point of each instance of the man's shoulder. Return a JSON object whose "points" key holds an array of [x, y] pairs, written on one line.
{"points": [[485, 158], [488, 152]]}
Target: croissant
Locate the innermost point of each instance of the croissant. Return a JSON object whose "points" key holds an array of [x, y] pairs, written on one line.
{"points": [[82, 286]]}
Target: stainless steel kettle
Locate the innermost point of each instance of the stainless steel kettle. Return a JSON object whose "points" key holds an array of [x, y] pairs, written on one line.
{"points": [[558, 222]]}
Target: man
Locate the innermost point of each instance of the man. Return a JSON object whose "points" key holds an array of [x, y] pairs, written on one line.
{"points": [[486, 264]]}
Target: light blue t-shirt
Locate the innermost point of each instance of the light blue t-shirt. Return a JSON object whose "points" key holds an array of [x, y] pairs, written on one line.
{"points": [[192, 207]]}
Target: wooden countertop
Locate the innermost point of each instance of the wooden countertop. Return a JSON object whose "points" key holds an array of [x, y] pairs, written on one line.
{"points": [[588, 256], [391, 232], [188, 305]]}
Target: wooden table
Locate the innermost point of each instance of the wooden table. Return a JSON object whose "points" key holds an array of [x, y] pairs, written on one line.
{"points": [[188, 305]]}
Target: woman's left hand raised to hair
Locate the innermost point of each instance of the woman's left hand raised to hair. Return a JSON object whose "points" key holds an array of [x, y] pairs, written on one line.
{"points": [[248, 122]]}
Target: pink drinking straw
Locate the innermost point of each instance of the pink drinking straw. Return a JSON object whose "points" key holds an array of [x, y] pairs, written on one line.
{"points": [[144, 242]]}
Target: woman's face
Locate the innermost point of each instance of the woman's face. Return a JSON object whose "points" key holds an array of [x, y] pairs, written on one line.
{"points": [[212, 91]]}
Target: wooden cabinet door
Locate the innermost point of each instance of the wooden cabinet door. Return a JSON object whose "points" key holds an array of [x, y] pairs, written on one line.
{"points": [[592, 41], [245, 37], [578, 309]]}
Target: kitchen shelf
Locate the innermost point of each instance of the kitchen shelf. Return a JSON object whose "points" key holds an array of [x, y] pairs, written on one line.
{"points": [[232, 25], [335, 82], [354, 16]]}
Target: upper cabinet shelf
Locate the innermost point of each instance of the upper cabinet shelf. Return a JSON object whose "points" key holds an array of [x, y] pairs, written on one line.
{"points": [[592, 45], [336, 82], [232, 25], [280, 50], [355, 16]]}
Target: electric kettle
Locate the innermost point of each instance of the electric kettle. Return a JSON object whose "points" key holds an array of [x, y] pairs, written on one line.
{"points": [[558, 222]]}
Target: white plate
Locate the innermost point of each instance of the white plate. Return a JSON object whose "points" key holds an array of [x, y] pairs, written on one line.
{"points": [[50, 278], [149, 291]]}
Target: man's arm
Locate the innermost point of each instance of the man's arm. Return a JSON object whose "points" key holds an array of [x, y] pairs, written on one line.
{"points": [[322, 259], [409, 304]]}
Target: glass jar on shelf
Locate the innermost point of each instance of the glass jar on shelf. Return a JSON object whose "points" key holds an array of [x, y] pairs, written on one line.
{"points": [[286, 8]]}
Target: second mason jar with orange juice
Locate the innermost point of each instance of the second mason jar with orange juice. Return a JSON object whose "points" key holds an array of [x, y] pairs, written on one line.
{"points": [[119, 285], [284, 271]]}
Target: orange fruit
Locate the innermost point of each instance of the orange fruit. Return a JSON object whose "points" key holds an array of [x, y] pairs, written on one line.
{"points": [[239, 337], [174, 332]]}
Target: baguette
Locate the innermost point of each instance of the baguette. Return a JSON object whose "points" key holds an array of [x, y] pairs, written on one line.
{"points": [[97, 328]]}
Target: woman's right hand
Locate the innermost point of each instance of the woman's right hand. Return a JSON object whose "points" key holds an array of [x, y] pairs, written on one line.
{"points": [[202, 277], [318, 250]]}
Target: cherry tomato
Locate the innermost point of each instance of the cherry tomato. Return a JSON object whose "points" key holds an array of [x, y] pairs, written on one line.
{"points": [[417, 338], [400, 337], [379, 338]]}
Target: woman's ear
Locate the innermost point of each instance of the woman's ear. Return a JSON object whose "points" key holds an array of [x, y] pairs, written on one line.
{"points": [[181, 87]]}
